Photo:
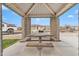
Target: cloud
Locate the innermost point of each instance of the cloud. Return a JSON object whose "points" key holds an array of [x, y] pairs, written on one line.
{"points": [[37, 19], [70, 16], [4, 18]]}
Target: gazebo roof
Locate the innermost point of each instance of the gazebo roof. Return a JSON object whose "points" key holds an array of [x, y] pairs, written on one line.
{"points": [[40, 9]]}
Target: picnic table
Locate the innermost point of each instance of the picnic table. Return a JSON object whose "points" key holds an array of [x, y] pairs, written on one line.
{"points": [[40, 35], [39, 45]]}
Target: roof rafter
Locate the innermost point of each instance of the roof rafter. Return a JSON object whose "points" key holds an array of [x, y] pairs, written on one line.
{"points": [[18, 7], [39, 14], [49, 8], [30, 9], [62, 6], [65, 8], [14, 8]]}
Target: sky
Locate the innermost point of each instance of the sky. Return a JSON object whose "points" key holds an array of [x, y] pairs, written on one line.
{"points": [[11, 17], [40, 21], [68, 18]]}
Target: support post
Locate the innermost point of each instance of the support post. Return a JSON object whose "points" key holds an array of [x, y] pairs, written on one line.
{"points": [[54, 27], [26, 26], [1, 49]]}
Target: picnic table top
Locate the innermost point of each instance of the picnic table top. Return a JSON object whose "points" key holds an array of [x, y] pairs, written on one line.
{"points": [[39, 35]]}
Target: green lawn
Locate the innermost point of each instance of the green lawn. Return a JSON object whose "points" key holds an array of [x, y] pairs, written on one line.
{"points": [[9, 42]]}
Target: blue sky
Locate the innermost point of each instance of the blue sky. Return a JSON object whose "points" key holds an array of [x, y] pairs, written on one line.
{"points": [[68, 18], [11, 17], [40, 21]]}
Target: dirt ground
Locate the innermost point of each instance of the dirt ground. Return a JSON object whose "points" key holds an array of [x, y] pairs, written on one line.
{"points": [[12, 36]]}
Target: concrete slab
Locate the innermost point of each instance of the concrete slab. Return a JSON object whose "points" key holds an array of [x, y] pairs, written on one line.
{"points": [[67, 47]]}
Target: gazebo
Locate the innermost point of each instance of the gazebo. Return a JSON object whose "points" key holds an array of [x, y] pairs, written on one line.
{"points": [[39, 10]]}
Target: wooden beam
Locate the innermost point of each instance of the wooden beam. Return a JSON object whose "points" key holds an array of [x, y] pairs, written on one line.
{"points": [[39, 14], [1, 49], [17, 6], [49, 8], [30, 9], [65, 8], [14, 8], [0, 5], [61, 7]]}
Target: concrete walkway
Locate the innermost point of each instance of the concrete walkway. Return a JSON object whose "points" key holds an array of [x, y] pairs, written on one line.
{"points": [[67, 47]]}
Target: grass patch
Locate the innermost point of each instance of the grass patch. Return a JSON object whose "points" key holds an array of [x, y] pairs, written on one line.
{"points": [[9, 42]]}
